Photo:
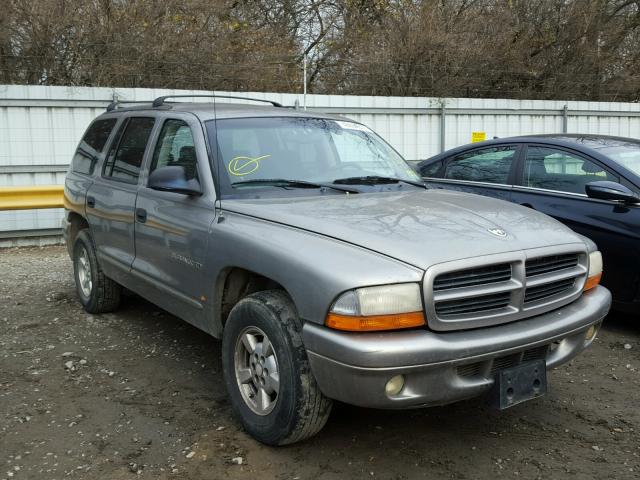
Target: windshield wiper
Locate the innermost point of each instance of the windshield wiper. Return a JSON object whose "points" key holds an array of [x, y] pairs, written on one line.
{"points": [[284, 182], [377, 180]]}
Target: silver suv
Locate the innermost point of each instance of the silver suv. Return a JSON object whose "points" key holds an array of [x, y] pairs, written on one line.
{"points": [[330, 272]]}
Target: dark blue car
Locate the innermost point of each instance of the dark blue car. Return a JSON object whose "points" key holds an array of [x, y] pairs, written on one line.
{"points": [[589, 182]]}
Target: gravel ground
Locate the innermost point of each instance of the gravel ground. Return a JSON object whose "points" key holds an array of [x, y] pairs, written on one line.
{"points": [[139, 394]]}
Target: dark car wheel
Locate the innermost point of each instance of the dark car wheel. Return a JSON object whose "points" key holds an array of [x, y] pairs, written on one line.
{"points": [[267, 372], [97, 293]]}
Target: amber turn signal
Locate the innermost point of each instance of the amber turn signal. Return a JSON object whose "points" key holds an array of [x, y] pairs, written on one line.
{"points": [[592, 282], [372, 323]]}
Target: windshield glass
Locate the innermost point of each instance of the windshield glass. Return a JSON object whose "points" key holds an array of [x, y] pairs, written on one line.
{"points": [[626, 155], [301, 148]]}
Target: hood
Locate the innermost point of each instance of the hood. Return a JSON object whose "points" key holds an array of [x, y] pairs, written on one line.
{"points": [[420, 228]]}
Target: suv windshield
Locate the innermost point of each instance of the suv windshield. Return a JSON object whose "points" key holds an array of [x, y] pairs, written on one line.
{"points": [[259, 152]]}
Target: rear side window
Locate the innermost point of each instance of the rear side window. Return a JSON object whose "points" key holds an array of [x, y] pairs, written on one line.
{"points": [[490, 165], [90, 148], [124, 159]]}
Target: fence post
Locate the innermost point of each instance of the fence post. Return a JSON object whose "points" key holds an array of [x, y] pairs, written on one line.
{"points": [[442, 125], [565, 119]]}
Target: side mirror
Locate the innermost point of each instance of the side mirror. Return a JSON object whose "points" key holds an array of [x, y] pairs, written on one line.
{"points": [[174, 179], [606, 190]]}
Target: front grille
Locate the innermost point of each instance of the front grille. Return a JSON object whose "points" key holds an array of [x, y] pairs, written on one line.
{"points": [[473, 304], [501, 288], [470, 369], [473, 276], [552, 263], [537, 353], [533, 294], [476, 369], [507, 361]]}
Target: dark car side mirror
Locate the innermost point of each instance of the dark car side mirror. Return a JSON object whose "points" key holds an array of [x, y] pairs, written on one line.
{"points": [[174, 179], [606, 190]]}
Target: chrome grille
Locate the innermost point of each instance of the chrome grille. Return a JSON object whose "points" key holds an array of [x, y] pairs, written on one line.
{"points": [[553, 263], [558, 273], [496, 289], [473, 276], [547, 290], [473, 304]]}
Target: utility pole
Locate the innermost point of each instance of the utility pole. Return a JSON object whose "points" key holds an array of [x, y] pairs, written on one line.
{"points": [[304, 88]]}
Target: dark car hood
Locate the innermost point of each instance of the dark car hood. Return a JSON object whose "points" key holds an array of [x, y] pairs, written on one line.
{"points": [[421, 228]]}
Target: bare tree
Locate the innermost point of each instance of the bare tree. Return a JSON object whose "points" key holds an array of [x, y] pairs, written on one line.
{"points": [[566, 49]]}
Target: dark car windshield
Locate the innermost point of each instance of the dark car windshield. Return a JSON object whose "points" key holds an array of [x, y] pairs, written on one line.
{"points": [[627, 155], [255, 150], [625, 152]]}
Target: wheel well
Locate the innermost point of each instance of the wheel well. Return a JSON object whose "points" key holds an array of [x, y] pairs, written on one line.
{"points": [[76, 223], [236, 284]]}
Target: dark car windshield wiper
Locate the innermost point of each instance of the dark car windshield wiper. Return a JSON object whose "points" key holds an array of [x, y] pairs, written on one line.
{"points": [[376, 180], [284, 182]]}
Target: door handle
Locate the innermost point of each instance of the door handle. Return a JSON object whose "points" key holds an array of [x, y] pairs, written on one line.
{"points": [[91, 202], [141, 215]]}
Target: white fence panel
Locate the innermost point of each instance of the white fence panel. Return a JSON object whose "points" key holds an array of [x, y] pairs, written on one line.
{"points": [[41, 126]]}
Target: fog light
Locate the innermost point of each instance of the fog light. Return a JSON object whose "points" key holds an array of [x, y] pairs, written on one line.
{"points": [[591, 332], [394, 385]]}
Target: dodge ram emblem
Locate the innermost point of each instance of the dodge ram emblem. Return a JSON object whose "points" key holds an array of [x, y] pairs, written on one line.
{"points": [[498, 232]]}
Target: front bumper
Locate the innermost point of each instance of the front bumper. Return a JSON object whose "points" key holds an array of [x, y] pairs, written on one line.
{"points": [[441, 368]]}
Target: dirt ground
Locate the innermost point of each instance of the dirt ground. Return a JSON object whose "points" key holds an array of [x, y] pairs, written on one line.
{"points": [[139, 394]]}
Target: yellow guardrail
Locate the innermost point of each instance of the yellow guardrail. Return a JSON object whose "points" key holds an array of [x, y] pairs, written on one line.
{"points": [[27, 198]]}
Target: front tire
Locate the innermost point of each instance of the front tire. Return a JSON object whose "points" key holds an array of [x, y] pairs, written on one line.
{"points": [[267, 372], [97, 292]]}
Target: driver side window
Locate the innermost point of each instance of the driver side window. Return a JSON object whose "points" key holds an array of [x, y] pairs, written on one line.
{"points": [[175, 147], [554, 169]]}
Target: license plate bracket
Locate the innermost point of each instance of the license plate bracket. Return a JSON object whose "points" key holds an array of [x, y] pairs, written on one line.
{"points": [[520, 383]]}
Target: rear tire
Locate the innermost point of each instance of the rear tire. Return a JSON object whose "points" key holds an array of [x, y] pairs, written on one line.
{"points": [[97, 292], [267, 372]]}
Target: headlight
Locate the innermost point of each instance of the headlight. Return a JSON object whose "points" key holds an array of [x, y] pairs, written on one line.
{"points": [[595, 270], [387, 307]]}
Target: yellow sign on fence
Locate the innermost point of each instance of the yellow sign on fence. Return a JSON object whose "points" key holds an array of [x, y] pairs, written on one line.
{"points": [[478, 137]]}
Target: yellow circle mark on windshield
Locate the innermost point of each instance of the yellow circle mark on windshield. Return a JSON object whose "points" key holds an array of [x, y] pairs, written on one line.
{"points": [[240, 166]]}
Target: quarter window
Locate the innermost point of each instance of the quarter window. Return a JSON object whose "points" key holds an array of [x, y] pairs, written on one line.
{"points": [[432, 169], [490, 165], [554, 169], [175, 147], [91, 146], [124, 159]]}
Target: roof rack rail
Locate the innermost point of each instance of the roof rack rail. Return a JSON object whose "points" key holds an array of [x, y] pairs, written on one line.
{"points": [[118, 104], [158, 102]]}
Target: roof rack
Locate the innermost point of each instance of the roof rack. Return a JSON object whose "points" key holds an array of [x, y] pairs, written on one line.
{"points": [[158, 102], [118, 104]]}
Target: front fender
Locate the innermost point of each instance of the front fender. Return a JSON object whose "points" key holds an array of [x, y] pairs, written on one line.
{"points": [[314, 269]]}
